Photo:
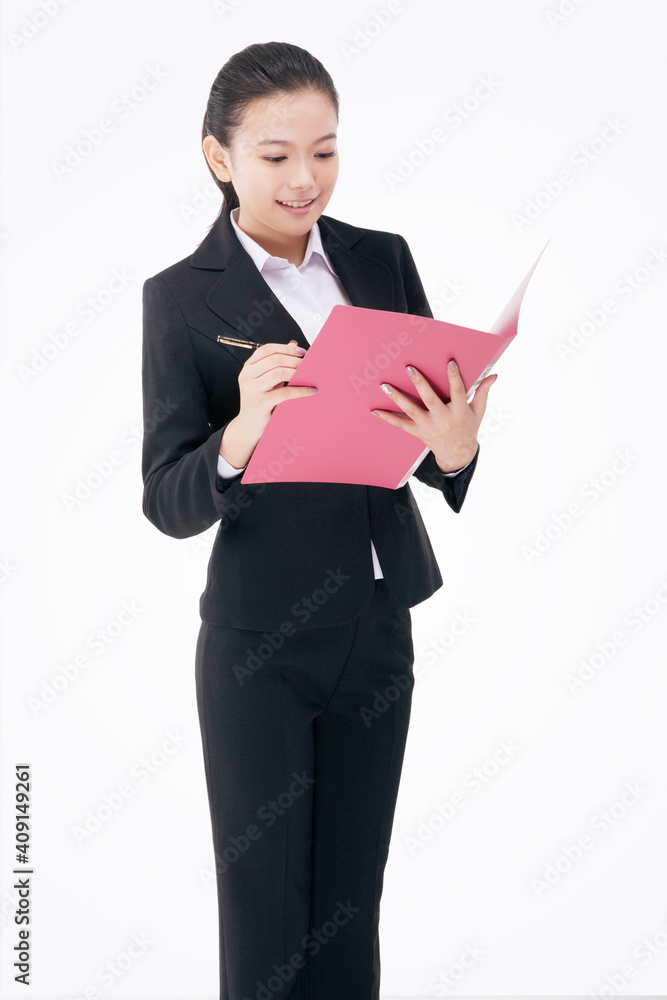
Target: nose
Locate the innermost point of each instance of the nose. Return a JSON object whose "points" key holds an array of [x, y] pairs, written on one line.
{"points": [[302, 175]]}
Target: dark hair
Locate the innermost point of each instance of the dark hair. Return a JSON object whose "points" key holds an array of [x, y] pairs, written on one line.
{"points": [[261, 70]]}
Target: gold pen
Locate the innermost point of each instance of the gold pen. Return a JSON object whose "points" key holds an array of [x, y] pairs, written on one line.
{"points": [[238, 343]]}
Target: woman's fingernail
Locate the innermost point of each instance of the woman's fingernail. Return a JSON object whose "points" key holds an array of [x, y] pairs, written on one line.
{"points": [[386, 388], [301, 351], [452, 365], [411, 371], [312, 388]]}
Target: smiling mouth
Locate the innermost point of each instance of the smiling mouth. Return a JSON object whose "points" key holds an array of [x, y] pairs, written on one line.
{"points": [[296, 204]]}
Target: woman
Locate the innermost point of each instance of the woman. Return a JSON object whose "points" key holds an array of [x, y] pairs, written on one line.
{"points": [[304, 658]]}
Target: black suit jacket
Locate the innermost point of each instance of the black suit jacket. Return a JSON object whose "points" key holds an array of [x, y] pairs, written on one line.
{"points": [[295, 555]]}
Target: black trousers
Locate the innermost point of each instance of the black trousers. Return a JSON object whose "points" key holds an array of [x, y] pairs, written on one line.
{"points": [[303, 738]]}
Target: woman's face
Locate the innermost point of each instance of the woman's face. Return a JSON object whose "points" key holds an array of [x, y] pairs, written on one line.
{"points": [[285, 151]]}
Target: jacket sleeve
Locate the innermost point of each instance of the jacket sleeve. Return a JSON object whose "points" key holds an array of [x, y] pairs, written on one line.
{"points": [[453, 488], [183, 494]]}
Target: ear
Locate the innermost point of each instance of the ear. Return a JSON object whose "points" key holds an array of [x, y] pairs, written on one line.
{"points": [[217, 158]]}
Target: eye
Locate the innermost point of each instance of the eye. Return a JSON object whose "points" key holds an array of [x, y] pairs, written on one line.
{"points": [[278, 159]]}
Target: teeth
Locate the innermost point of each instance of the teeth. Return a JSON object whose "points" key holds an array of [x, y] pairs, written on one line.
{"points": [[297, 204]]}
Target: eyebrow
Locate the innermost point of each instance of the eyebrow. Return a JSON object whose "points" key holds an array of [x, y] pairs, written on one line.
{"points": [[286, 142]]}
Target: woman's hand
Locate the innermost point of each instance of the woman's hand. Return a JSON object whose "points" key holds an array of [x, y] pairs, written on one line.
{"points": [[261, 387], [449, 429]]}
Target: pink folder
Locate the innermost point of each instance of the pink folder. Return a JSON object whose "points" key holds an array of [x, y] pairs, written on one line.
{"points": [[331, 436]]}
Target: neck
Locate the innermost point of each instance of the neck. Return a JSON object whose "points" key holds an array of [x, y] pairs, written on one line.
{"points": [[292, 248]]}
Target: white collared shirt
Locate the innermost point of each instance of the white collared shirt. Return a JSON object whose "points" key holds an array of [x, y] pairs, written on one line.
{"points": [[309, 293]]}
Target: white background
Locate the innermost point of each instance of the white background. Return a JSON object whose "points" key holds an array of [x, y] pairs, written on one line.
{"points": [[143, 199]]}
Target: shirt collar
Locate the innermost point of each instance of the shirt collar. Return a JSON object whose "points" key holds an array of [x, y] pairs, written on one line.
{"points": [[265, 261]]}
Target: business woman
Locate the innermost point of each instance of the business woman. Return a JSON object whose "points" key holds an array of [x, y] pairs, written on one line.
{"points": [[303, 665]]}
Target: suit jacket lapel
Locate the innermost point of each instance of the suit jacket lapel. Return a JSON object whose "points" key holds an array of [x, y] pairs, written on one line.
{"points": [[367, 281]]}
